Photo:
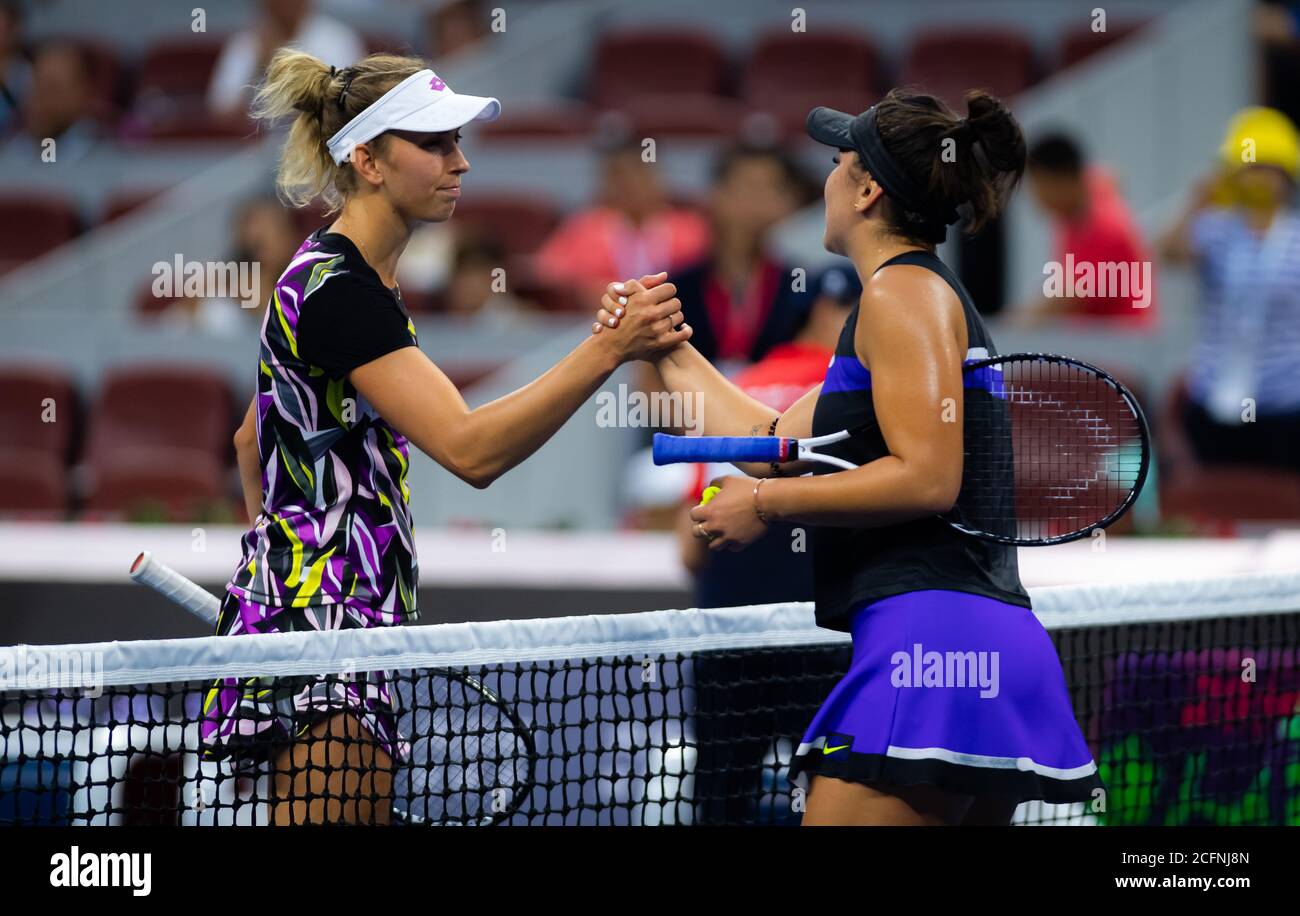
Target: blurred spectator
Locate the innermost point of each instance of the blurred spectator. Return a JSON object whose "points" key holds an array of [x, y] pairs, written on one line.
{"points": [[426, 267], [1277, 28], [15, 68], [453, 26], [1092, 225], [737, 298], [59, 106], [475, 287], [266, 234], [245, 55], [1242, 233], [773, 568], [633, 230]]}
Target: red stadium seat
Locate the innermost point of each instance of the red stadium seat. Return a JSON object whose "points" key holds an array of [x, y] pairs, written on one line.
{"points": [[787, 71], [194, 125], [1082, 42], [1209, 495], [34, 224], [28, 420], [33, 484], [174, 75], [123, 202], [386, 44], [565, 122], [684, 62], [685, 115], [161, 407], [948, 62], [175, 484], [519, 222]]}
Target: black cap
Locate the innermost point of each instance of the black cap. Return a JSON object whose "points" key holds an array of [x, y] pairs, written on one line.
{"points": [[860, 134]]}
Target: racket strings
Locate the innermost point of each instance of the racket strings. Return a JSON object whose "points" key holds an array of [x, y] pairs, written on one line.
{"points": [[1052, 450]]}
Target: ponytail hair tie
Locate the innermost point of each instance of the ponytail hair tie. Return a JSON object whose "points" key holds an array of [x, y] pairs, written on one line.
{"points": [[347, 84]]}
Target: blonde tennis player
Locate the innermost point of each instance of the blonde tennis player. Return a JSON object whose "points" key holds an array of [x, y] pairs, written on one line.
{"points": [[342, 392]]}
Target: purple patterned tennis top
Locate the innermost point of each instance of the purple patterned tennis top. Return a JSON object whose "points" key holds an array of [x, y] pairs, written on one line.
{"points": [[335, 526]]}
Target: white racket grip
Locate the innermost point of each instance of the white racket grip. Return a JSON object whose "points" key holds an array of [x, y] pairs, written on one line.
{"points": [[198, 601]]}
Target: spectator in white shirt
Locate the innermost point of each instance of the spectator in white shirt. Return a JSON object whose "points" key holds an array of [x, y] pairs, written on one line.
{"points": [[243, 59]]}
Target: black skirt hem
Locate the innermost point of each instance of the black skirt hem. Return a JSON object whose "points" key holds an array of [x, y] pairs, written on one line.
{"points": [[881, 770]]}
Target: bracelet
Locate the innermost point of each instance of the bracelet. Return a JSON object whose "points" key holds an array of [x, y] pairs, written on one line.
{"points": [[771, 431], [762, 516]]}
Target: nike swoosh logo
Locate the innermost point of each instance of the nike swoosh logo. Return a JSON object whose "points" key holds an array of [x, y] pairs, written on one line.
{"points": [[832, 750]]}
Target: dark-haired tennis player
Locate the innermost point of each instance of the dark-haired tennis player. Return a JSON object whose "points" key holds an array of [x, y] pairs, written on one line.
{"points": [[955, 708], [342, 390]]}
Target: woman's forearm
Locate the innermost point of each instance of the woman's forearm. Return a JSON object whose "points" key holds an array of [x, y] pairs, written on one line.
{"points": [[884, 492], [724, 408], [502, 433]]}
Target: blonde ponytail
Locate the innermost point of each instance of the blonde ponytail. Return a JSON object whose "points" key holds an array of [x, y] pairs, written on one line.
{"points": [[298, 82]]}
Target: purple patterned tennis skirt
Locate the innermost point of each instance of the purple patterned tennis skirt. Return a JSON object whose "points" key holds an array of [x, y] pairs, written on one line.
{"points": [[247, 720]]}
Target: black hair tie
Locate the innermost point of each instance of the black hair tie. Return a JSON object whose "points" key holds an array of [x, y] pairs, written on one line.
{"points": [[347, 84]]}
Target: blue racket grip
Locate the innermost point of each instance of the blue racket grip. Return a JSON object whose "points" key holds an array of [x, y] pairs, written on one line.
{"points": [[677, 449]]}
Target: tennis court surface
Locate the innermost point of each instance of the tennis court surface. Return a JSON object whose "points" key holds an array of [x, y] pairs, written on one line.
{"points": [[1187, 692]]}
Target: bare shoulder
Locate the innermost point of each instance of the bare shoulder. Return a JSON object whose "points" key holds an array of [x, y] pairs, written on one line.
{"points": [[904, 301]]}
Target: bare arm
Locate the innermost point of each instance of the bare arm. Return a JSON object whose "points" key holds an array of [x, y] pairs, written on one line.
{"points": [[912, 334], [1175, 244], [480, 445], [250, 462]]}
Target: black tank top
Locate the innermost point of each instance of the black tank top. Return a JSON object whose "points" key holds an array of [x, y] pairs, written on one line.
{"points": [[853, 566]]}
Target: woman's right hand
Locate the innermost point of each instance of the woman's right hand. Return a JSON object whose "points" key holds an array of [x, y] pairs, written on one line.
{"points": [[640, 318]]}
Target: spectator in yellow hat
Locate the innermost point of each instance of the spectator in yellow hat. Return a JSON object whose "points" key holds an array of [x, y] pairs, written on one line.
{"points": [[1241, 232]]}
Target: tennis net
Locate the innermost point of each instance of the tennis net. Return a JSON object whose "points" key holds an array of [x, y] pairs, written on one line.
{"points": [[1188, 694]]}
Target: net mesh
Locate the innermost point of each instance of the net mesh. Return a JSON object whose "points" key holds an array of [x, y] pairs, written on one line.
{"points": [[1187, 693]]}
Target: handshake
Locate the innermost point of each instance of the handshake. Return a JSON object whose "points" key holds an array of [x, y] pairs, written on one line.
{"points": [[642, 319]]}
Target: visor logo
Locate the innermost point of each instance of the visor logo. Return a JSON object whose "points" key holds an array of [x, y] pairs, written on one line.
{"points": [[437, 85]]}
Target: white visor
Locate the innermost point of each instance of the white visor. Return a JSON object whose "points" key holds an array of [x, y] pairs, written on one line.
{"points": [[421, 103]]}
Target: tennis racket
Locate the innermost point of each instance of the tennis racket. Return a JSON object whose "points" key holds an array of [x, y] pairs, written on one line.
{"points": [[472, 758], [1053, 449]]}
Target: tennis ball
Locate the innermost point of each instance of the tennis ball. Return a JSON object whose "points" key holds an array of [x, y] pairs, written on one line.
{"points": [[709, 493]]}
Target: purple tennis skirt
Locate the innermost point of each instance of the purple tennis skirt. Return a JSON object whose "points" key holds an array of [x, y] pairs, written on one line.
{"points": [[953, 690], [246, 720]]}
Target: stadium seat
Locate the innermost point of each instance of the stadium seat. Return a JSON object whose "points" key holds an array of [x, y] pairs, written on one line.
{"points": [[520, 223], [386, 44], [1082, 42], [684, 115], [1214, 494], [571, 121], [161, 407], [23, 410], [166, 484], [34, 224], [33, 484], [947, 62], [174, 75], [193, 125], [121, 203], [787, 75], [684, 62]]}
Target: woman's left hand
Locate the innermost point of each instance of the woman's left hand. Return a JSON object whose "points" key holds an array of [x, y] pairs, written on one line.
{"points": [[729, 520]]}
